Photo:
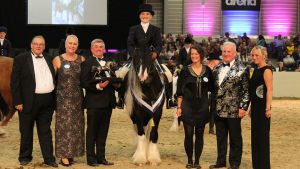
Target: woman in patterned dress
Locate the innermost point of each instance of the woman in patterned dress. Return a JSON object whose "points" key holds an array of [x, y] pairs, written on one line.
{"points": [[69, 126]]}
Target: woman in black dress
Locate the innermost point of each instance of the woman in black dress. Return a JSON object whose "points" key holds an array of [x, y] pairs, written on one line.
{"points": [[261, 90], [195, 80]]}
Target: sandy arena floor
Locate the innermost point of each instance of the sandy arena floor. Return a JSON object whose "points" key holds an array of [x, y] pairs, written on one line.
{"points": [[285, 143]]}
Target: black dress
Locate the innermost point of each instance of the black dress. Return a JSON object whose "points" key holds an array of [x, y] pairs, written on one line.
{"points": [[194, 89], [260, 124]]}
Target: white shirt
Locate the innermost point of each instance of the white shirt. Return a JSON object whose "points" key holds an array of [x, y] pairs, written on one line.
{"points": [[43, 76], [224, 71], [1, 40], [187, 50], [145, 26]]}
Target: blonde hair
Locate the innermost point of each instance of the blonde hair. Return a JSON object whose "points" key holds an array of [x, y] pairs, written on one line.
{"points": [[262, 50], [71, 37]]}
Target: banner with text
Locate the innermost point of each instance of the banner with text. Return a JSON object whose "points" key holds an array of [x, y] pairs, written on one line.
{"points": [[241, 5]]}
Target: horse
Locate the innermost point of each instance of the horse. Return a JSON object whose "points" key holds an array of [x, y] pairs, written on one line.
{"points": [[144, 99], [6, 104]]}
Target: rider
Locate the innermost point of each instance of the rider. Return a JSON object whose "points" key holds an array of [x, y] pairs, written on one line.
{"points": [[145, 35]]}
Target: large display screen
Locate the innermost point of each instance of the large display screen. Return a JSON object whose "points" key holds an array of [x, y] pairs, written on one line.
{"points": [[67, 12]]}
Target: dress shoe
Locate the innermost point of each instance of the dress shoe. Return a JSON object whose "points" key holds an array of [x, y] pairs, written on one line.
{"points": [[105, 162], [24, 162], [52, 164], [233, 167], [197, 166], [92, 164], [64, 164], [217, 166], [189, 165]]}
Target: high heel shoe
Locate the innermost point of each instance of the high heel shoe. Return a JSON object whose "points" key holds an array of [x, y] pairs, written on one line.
{"points": [[189, 166], [64, 164]]}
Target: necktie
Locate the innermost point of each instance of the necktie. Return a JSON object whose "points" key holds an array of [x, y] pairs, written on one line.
{"points": [[39, 57], [226, 64]]}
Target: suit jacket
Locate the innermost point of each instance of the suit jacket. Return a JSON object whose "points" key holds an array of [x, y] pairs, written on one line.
{"points": [[232, 94], [23, 79], [183, 57], [138, 38], [95, 98], [5, 49]]}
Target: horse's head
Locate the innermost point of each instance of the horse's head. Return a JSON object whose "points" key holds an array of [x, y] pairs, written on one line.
{"points": [[143, 63]]}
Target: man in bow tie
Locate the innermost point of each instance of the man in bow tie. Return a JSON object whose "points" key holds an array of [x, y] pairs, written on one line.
{"points": [[232, 101], [32, 85], [99, 101]]}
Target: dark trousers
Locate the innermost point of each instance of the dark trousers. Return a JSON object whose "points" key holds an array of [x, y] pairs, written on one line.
{"points": [[41, 113], [233, 127], [98, 121], [260, 141]]}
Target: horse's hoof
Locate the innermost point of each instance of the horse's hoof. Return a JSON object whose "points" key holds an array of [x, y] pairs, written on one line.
{"points": [[140, 164], [153, 163]]}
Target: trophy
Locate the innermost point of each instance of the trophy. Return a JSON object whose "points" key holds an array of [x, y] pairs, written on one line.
{"points": [[105, 71]]}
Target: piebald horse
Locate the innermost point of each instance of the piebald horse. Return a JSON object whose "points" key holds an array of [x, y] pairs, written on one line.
{"points": [[144, 99]]}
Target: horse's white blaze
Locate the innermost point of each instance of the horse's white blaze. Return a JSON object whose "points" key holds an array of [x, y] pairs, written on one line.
{"points": [[143, 76], [139, 157], [153, 154]]}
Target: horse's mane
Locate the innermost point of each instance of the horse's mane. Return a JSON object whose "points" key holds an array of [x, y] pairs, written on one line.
{"points": [[134, 84]]}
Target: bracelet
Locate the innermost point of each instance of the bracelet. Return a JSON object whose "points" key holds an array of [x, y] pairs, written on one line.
{"points": [[269, 109], [178, 107]]}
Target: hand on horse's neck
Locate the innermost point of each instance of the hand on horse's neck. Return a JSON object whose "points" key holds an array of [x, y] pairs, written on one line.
{"points": [[197, 68]]}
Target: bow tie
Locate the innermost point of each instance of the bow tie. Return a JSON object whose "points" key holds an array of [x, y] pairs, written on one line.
{"points": [[101, 59], [39, 57], [226, 64]]}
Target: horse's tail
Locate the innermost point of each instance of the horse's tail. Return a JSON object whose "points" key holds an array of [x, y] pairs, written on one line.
{"points": [[3, 108]]}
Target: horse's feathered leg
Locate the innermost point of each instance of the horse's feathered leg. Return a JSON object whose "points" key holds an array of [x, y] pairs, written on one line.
{"points": [[153, 154], [139, 157]]}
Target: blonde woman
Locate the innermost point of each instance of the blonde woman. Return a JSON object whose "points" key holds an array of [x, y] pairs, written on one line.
{"points": [[69, 126], [261, 90]]}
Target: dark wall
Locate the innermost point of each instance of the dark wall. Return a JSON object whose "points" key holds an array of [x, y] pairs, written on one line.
{"points": [[121, 15]]}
